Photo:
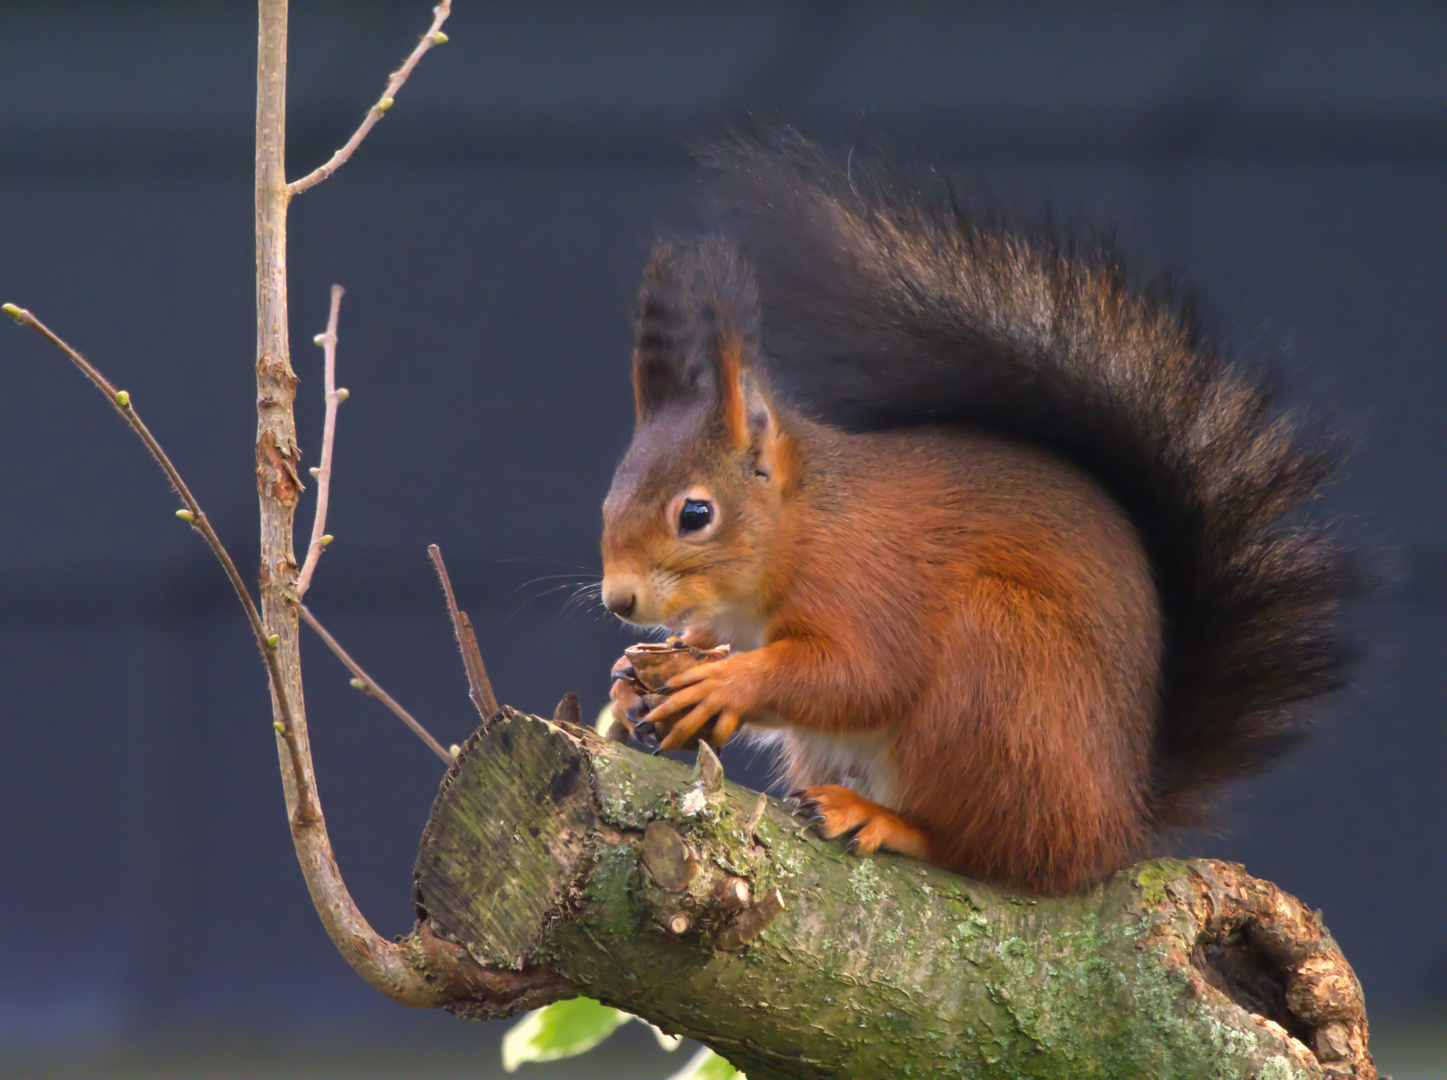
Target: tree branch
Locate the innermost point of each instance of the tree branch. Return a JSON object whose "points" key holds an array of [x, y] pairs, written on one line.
{"points": [[624, 882], [368, 685], [434, 36], [323, 472]]}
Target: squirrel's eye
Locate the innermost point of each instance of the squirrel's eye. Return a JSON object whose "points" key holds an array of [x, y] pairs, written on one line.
{"points": [[696, 514]]}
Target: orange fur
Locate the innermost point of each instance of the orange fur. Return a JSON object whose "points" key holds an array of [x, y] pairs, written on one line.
{"points": [[981, 609]]}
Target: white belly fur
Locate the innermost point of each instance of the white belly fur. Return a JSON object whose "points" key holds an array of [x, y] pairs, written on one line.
{"points": [[859, 762]]}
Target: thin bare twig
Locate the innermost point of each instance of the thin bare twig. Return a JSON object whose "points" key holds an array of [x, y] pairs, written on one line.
{"points": [[320, 539], [434, 36], [479, 688], [334, 397], [368, 685], [121, 401]]}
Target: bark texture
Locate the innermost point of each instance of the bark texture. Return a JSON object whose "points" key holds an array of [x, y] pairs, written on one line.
{"points": [[567, 864]]}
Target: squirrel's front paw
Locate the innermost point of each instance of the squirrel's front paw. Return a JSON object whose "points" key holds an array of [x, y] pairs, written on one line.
{"points": [[708, 692], [627, 700]]}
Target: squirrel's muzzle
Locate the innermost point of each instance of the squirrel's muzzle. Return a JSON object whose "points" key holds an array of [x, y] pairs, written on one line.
{"points": [[620, 600]]}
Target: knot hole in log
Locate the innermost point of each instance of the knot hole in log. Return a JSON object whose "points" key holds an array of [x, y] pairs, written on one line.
{"points": [[1272, 956]]}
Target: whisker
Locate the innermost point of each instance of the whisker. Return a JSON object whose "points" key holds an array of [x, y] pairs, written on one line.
{"points": [[540, 595], [549, 562]]}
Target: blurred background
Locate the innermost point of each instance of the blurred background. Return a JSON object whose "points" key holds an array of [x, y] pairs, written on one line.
{"points": [[490, 232]]}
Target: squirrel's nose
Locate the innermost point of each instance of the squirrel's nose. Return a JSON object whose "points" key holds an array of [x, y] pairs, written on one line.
{"points": [[620, 601]]}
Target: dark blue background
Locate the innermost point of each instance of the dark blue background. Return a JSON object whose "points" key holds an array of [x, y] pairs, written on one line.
{"points": [[490, 233]]}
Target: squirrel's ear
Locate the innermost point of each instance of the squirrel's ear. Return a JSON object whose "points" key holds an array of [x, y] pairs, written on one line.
{"points": [[664, 370], [743, 403], [750, 420]]}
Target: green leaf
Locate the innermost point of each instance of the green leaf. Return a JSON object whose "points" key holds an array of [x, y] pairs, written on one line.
{"points": [[706, 1065], [561, 1030]]}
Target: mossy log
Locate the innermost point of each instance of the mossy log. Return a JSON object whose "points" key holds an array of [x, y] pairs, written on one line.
{"points": [[565, 864]]}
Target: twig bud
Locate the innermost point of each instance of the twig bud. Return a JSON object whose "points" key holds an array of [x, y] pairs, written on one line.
{"points": [[14, 312], [315, 471], [185, 515], [455, 750], [123, 399], [320, 339], [326, 539], [278, 727], [439, 38], [273, 641], [359, 684], [384, 104], [343, 393]]}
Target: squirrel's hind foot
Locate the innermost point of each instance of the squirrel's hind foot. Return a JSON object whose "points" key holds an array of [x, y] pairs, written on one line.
{"points": [[836, 810]]}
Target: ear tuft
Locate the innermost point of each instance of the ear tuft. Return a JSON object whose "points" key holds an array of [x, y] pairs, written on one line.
{"points": [[696, 331], [661, 334]]}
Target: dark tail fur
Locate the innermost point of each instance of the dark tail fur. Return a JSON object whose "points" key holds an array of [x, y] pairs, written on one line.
{"points": [[888, 303]]}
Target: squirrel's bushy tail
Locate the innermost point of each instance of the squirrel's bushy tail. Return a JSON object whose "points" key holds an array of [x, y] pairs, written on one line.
{"points": [[887, 302]]}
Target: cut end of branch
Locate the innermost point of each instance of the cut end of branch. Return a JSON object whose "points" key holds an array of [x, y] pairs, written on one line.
{"points": [[670, 862], [752, 922], [732, 893]]}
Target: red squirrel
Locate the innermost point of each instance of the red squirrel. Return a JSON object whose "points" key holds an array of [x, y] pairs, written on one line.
{"points": [[1011, 560]]}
